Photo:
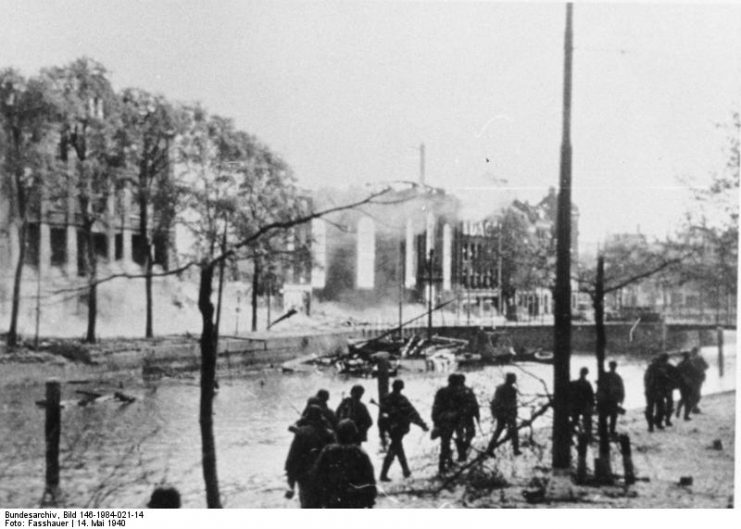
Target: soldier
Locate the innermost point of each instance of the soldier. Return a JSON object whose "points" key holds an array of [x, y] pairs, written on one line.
{"points": [[398, 413], [352, 408], [504, 410], [581, 400], [309, 439], [687, 390], [611, 396], [446, 416], [466, 429], [321, 399], [658, 381], [700, 365], [672, 380], [343, 473]]}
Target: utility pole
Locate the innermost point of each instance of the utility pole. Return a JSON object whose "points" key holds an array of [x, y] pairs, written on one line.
{"points": [[562, 292], [602, 469]]}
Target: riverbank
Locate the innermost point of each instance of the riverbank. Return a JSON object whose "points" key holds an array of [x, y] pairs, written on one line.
{"points": [[176, 354], [701, 449]]}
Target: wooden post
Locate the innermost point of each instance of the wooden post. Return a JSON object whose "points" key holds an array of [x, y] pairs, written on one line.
{"points": [[383, 390], [52, 431], [561, 450], [628, 471], [581, 464], [720, 351]]}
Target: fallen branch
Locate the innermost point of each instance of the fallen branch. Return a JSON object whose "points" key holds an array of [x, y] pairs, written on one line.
{"points": [[483, 456]]}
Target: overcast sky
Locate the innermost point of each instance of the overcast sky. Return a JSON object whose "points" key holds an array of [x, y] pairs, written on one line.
{"points": [[346, 91]]}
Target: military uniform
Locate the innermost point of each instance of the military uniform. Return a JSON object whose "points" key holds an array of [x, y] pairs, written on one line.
{"points": [[465, 430], [343, 474], [353, 409], [611, 397], [398, 415], [308, 441], [659, 382], [581, 400], [446, 416], [504, 410]]}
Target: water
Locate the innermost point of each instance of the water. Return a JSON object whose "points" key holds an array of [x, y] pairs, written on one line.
{"points": [[113, 455]]}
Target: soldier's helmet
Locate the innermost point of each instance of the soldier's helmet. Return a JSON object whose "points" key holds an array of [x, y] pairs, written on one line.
{"points": [[323, 395], [347, 432], [511, 378], [398, 384], [357, 391], [164, 498], [314, 415]]}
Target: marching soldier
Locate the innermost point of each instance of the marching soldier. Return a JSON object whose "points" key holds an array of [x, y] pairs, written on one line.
{"points": [[446, 416], [352, 408], [398, 414], [504, 411], [309, 439], [343, 473]]}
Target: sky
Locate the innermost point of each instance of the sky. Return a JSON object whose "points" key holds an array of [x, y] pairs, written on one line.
{"points": [[347, 91]]}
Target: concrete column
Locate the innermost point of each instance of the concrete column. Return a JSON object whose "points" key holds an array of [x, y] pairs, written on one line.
{"points": [[429, 233], [447, 257], [410, 280], [126, 225]]}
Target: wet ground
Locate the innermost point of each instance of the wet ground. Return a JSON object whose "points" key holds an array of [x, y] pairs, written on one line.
{"points": [[114, 454]]}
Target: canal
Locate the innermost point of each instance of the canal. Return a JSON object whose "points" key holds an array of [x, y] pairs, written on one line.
{"points": [[114, 454]]}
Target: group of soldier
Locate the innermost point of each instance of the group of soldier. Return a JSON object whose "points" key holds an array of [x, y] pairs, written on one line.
{"points": [[662, 378], [326, 460]]}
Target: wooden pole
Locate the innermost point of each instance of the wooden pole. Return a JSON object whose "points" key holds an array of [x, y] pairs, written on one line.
{"points": [[628, 471], [720, 351], [561, 455], [602, 470], [52, 431], [581, 464], [383, 390]]}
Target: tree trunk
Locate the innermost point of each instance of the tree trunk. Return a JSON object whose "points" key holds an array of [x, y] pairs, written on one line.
{"points": [[149, 330], [12, 339], [208, 377], [603, 473], [92, 296], [220, 295], [144, 233], [255, 283]]}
